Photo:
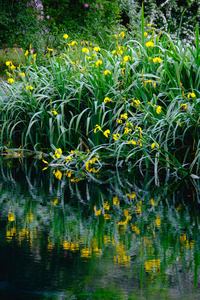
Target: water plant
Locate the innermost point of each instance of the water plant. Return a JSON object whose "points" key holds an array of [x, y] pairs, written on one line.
{"points": [[134, 104]]}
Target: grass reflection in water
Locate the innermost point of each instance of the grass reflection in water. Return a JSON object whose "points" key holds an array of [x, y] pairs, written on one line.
{"points": [[148, 233]]}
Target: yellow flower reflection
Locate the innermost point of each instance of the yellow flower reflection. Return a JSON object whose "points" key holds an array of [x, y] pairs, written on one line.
{"points": [[11, 217], [57, 174], [58, 153], [151, 265]]}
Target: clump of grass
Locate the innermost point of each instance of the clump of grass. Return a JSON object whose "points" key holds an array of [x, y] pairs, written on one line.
{"points": [[134, 104]]}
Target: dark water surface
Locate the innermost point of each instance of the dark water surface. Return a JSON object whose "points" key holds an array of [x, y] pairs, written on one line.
{"points": [[123, 238]]}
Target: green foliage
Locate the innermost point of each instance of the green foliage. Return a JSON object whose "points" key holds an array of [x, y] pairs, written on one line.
{"points": [[80, 15], [18, 22], [136, 102]]}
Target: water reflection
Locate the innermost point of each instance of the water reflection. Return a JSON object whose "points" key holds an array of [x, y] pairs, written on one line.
{"points": [[95, 240]]}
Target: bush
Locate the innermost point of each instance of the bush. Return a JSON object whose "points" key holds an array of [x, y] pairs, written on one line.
{"points": [[18, 21], [76, 15], [136, 103]]}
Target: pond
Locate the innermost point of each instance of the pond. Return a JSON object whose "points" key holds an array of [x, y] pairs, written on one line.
{"points": [[122, 237]]}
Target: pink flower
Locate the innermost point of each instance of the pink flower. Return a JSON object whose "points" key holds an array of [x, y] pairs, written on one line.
{"points": [[86, 5], [101, 5], [32, 50], [48, 17]]}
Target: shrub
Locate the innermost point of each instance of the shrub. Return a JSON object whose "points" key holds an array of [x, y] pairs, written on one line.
{"points": [[18, 21], [79, 15], [136, 103]]}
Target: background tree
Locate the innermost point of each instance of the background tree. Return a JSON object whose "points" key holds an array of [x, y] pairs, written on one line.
{"points": [[18, 20]]}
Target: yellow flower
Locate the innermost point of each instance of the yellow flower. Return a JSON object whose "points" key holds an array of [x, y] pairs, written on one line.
{"points": [[184, 105], [124, 116], [191, 95], [153, 145], [11, 217], [122, 70], [88, 57], [137, 102], [145, 33], [115, 201], [54, 112], [106, 72], [152, 202], [114, 52], [99, 62], [140, 129], [85, 50], [12, 67], [126, 58], [131, 142], [106, 132], [22, 74], [58, 153], [122, 34], [119, 121], [68, 173], [54, 202], [127, 130], [157, 59], [57, 174], [107, 100], [96, 49], [129, 124], [97, 127], [147, 81], [50, 50], [68, 159], [106, 206], [158, 221], [34, 55], [65, 36], [116, 36], [8, 63], [149, 44], [26, 53], [131, 196], [92, 161], [136, 229], [74, 43], [97, 212], [120, 52], [183, 238], [29, 87], [116, 136], [149, 24], [11, 80], [158, 110]]}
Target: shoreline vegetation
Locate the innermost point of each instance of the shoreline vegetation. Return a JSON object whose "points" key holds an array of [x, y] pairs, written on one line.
{"points": [[132, 105]]}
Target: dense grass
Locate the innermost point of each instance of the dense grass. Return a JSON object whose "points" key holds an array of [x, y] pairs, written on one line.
{"points": [[136, 103]]}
